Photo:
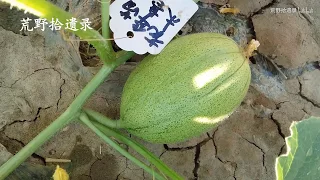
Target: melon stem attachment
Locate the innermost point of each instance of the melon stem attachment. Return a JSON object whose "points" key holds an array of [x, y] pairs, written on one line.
{"points": [[100, 118], [252, 46]]}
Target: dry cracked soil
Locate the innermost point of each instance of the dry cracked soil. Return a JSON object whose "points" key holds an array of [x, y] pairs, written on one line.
{"points": [[41, 73]]}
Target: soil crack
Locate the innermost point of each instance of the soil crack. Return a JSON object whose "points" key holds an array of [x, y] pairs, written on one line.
{"points": [[203, 142], [23, 78], [60, 89], [43, 69], [23, 121], [38, 113], [305, 16], [216, 147], [234, 172], [263, 153], [281, 149], [196, 161], [40, 158], [280, 133], [60, 96], [217, 157], [261, 10], [22, 144], [16, 140], [306, 98], [87, 176], [280, 103], [278, 127]]}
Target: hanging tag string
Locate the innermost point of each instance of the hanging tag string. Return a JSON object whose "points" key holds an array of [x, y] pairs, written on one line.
{"points": [[109, 39], [103, 2]]}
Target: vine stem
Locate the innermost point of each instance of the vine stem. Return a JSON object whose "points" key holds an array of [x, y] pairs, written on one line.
{"points": [[72, 112], [99, 123], [85, 119], [105, 5], [105, 18], [102, 119]]}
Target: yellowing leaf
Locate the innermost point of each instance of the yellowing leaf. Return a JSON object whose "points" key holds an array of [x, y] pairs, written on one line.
{"points": [[60, 174]]}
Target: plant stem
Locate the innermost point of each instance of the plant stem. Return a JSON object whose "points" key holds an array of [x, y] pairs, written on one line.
{"points": [[34, 144], [84, 118], [105, 5], [101, 118], [140, 149], [123, 56], [47, 10], [107, 126], [71, 113]]}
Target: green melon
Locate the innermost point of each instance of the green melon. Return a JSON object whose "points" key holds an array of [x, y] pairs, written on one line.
{"points": [[195, 82]]}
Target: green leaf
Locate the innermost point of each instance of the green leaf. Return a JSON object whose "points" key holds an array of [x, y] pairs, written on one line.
{"points": [[47, 10], [302, 160]]}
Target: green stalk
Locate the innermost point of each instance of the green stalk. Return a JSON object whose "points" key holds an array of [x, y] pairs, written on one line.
{"points": [[105, 5], [84, 118], [101, 118], [47, 10], [105, 125], [141, 150], [71, 113]]}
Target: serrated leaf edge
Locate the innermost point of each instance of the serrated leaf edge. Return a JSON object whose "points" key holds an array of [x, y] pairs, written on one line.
{"points": [[293, 124]]}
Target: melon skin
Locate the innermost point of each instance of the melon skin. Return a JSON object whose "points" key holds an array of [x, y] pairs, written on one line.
{"points": [[194, 83]]}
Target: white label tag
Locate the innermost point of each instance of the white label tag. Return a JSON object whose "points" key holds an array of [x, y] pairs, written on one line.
{"points": [[150, 23]]}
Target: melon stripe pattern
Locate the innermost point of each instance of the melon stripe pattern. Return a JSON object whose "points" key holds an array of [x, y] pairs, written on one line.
{"points": [[197, 81]]}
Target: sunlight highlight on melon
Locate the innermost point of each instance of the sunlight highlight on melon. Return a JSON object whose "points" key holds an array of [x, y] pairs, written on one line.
{"points": [[208, 76]]}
